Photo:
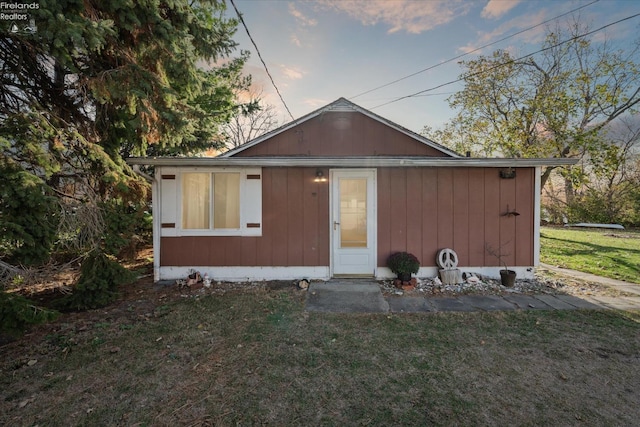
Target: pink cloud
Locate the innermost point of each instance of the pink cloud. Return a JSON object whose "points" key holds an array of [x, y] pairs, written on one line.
{"points": [[497, 8], [292, 73], [301, 18], [533, 36], [413, 17], [315, 102]]}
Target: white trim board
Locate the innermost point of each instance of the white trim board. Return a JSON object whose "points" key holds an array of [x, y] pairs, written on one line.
{"points": [[156, 200], [245, 274], [370, 252], [536, 216]]}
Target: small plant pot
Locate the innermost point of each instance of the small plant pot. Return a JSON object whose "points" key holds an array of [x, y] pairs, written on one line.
{"points": [[508, 278], [405, 277]]}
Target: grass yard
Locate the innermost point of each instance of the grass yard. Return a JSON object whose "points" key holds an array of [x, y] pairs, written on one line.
{"points": [[609, 253], [249, 358]]}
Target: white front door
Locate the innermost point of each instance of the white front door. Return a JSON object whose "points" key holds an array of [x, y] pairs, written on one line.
{"points": [[353, 221]]}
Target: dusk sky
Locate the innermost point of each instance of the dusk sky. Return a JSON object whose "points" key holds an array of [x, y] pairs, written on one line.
{"points": [[319, 51]]}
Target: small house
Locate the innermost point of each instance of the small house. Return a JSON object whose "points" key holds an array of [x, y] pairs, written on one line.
{"points": [[333, 194]]}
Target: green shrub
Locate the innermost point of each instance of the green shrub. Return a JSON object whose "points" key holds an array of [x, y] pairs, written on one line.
{"points": [[598, 207], [28, 217], [17, 313], [403, 263], [127, 223], [100, 276]]}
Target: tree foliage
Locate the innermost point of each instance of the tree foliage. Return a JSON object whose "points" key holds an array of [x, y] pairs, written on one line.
{"points": [[27, 217], [127, 224], [100, 276], [611, 192], [124, 75], [17, 313], [552, 104], [102, 81]]}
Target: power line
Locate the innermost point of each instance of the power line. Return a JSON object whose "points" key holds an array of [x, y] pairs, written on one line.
{"points": [[509, 62], [472, 51], [262, 60], [391, 97]]}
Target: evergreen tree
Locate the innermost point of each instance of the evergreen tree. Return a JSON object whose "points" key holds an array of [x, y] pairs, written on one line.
{"points": [[27, 217], [100, 81]]}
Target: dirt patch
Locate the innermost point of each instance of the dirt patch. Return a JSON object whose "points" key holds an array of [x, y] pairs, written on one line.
{"points": [[623, 236]]}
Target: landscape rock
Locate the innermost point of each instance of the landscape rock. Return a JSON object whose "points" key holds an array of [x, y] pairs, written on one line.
{"points": [[475, 284]]}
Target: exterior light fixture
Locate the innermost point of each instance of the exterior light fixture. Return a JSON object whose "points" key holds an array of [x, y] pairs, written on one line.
{"points": [[320, 176], [508, 173]]}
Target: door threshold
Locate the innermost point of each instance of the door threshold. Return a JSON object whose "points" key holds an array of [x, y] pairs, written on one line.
{"points": [[353, 276]]}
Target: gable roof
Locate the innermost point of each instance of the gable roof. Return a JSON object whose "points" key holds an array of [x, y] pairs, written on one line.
{"points": [[342, 105]]}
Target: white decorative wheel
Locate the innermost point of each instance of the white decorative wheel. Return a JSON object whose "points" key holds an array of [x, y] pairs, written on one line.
{"points": [[447, 259]]}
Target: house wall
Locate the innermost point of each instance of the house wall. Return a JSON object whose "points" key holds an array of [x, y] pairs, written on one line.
{"points": [[295, 228], [423, 210], [341, 134], [420, 210]]}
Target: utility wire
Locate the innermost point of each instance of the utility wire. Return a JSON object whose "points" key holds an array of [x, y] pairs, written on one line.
{"points": [[262, 60], [509, 62], [474, 50], [391, 97]]}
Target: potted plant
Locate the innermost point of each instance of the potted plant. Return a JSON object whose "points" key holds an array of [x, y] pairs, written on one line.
{"points": [[403, 264], [507, 277]]}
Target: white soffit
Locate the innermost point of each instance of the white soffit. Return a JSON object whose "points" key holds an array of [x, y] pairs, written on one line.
{"points": [[338, 162]]}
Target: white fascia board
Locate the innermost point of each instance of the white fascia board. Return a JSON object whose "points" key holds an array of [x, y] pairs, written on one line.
{"points": [[359, 162]]}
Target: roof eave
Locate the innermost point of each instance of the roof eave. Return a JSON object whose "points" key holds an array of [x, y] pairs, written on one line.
{"points": [[342, 162]]}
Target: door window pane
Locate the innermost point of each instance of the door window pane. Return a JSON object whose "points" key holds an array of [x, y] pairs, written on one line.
{"points": [[196, 200], [353, 213], [226, 200]]}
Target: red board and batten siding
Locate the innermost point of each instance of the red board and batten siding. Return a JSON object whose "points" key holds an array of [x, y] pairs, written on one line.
{"points": [[295, 228], [340, 134], [420, 210], [425, 210]]}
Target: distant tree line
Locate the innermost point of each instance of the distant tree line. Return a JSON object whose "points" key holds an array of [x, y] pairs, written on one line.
{"points": [[575, 98]]}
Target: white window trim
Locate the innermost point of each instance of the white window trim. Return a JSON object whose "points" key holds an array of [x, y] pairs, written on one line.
{"points": [[243, 230]]}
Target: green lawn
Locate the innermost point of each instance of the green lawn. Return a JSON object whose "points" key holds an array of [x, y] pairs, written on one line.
{"points": [[608, 253], [258, 358]]}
